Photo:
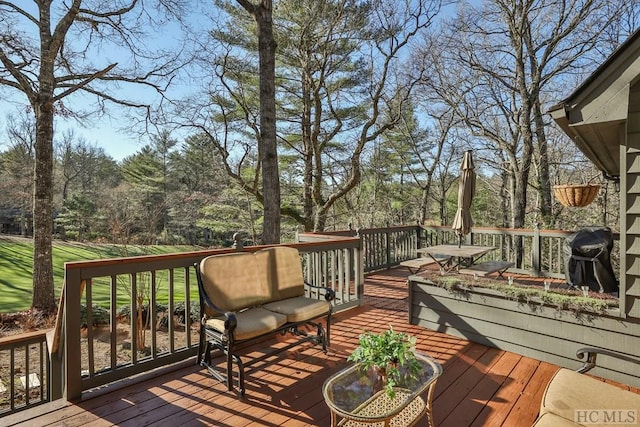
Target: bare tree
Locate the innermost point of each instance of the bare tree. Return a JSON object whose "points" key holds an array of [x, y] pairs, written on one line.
{"points": [[53, 50], [16, 180], [80, 164], [423, 158], [498, 64]]}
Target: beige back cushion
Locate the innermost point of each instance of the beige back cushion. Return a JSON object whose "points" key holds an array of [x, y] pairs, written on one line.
{"points": [[285, 271], [234, 281]]}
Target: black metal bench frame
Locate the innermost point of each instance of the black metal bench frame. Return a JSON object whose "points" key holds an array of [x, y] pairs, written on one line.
{"points": [[212, 339]]}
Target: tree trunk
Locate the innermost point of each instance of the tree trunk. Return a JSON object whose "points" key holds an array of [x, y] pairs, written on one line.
{"points": [[544, 182], [43, 294], [269, 151], [519, 198], [424, 204], [308, 156], [505, 196]]}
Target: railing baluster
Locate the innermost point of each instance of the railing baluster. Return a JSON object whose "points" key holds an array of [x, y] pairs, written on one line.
{"points": [[171, 309], [134, 319], [343, 255], [153, 307], [334, 269], [44, 365], [89, 301], [27, 373], [187, 307], [12, 378], [113, 322]]}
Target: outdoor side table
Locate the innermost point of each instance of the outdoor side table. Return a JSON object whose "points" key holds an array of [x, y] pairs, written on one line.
{"points": [[355, 397]]}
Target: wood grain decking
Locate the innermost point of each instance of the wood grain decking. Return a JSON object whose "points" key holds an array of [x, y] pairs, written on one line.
{"points": [[480, 386]]}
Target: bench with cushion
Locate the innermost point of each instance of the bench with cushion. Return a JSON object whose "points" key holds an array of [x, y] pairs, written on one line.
{"points": [[247, 296], [574, 399]]}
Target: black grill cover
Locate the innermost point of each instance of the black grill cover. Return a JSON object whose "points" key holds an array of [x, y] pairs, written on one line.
{"points": [[587, 259]]}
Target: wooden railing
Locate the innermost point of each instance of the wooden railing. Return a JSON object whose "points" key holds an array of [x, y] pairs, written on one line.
{"points": [[387, 247], [535, 252], [102, 339], [163, 284], [383, 247], [26, 386]]}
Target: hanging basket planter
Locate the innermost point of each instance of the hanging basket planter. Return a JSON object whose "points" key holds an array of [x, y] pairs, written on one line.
{"points": [[576, 195]]}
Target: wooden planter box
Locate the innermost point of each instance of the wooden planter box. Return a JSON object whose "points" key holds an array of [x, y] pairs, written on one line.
{"points": [[488, 317]]}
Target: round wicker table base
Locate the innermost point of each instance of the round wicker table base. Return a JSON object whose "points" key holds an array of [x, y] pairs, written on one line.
{"points": [[409, 416]]}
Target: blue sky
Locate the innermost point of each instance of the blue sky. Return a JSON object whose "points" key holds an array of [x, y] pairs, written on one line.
{"points": [[106, 132], [103, 132]]}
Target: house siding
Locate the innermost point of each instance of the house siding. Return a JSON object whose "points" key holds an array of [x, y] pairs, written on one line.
{"points": [[630, 284]]}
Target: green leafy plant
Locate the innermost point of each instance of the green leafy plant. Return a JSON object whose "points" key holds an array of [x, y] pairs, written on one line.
{"points": [[386, 353]]}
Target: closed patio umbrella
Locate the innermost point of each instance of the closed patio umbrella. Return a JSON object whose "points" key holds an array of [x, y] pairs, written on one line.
{"points": [[462, 222]]}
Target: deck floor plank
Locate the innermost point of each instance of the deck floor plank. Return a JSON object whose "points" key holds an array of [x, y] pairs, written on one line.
{"points": [[497, 409], [480, 386], [460, 390], [483, 392], [526, 407]]}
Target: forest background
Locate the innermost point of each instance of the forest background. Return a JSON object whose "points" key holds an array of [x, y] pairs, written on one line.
{"points": [[375, 102]]}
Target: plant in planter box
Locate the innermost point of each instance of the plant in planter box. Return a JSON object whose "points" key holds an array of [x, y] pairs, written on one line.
{"points": [[386, 353]]}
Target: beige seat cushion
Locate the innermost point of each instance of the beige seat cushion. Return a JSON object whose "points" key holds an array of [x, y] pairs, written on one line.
{"points": [[552, 420], [251, 323], [569, 391], [299, 309]]}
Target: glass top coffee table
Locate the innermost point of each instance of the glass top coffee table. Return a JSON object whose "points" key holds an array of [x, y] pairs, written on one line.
{"points": [[356, 396]]}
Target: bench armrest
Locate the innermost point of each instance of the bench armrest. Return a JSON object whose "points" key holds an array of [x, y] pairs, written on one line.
{"points": [[329, 295], [591, 354], [231, 322]]}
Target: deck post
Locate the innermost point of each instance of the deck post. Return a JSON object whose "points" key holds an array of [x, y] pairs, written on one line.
{"points": [[71, 327], [536, 252], [387, 244], [358, 269], [56, 369]]}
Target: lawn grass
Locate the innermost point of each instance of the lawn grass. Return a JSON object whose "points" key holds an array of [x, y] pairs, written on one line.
{"points": [[16, 266]]}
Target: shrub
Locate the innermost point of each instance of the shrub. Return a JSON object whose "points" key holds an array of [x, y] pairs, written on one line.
{"points": [[124, 312], [99, 315], [179, 311]]}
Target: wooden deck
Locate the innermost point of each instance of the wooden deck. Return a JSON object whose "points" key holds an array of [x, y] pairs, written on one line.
{"points": [[480, 386]]}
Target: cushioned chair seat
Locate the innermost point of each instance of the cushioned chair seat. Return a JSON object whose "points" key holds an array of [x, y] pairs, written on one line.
{"points": [[251, 323], [569, 391], [299, 309]]}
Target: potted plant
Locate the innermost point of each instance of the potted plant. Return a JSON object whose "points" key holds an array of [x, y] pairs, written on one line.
{"points": [[389, 354]]}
